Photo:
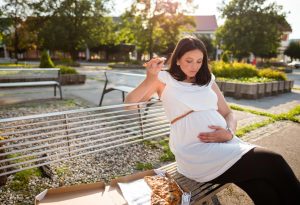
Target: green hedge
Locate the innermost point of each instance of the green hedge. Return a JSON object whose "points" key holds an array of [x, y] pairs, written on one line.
{"points": [[233, 70], [244, 71], [274, 74]]}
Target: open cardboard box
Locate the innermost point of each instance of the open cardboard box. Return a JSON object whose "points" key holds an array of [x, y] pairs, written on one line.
{"points": [[95, 193], [76, 195]]}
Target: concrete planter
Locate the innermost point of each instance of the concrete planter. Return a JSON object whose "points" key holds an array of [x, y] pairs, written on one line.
{"points": [[261, 87], [220, 84], [280, 86], [275, 86], [254, 90], [228, 88], [72, 79], [288, 85], [249, 90], [268, 88]]}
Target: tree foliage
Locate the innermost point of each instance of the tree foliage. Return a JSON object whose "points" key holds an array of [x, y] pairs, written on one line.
{"points": [[208, 41], [154, 26], [14, 13], [252, 26], [71, 25], [293, 50]]}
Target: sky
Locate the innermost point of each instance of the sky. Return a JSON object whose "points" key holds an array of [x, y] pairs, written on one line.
{"points": [[209, 7]]}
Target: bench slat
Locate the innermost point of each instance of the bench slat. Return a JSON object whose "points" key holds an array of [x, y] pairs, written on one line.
{"points": [[27, 84]]}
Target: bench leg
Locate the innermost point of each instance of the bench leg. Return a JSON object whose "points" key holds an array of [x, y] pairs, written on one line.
{"points": [[103, 91], [101, 98], [55, 90], [123, 96], [60, 92]]}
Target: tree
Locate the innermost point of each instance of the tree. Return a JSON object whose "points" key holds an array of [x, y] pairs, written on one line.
{"points": [[16, 11], [208, 41], [71, 25], [293, 50], [251, 26], [154, 26]]}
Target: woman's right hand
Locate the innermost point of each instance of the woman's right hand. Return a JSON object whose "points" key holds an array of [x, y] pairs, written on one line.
{"points": [[154, 66]]}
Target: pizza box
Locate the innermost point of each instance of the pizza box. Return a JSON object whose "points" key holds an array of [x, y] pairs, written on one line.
{"points": [[114, 191], [74, 195], [95, 193]]}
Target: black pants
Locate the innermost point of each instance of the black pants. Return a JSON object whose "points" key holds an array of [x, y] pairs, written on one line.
{"points": [[265, 176]]}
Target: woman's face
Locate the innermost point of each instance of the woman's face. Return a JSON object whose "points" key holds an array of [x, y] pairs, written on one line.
{"points": [[190, 63]]}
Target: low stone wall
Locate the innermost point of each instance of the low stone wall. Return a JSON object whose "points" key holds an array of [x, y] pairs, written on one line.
{"points": [[72, 79], [254, 90]]}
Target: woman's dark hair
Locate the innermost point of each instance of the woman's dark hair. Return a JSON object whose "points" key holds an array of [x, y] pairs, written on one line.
{"points": [[187, 44]]}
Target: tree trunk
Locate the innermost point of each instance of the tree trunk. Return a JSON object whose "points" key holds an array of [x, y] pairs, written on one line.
{"points": [[16, 42], [74, 55]]}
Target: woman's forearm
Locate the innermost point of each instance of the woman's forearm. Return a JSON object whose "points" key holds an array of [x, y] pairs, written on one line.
{"points": [[141, 91], [231, 121]]}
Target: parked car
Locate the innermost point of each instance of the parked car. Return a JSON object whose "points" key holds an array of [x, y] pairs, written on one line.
{"points": [[295, 64]]}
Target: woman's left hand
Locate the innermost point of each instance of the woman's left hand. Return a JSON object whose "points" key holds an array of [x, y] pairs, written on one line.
{"points": [[219, 135]]}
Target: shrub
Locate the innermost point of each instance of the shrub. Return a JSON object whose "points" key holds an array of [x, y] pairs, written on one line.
{"points": [[66, 70], [273, 74], [225, 56], [46, 61], [234, 70]]}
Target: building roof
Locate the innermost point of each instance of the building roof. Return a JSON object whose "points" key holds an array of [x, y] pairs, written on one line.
{"points": [[206, 23]]}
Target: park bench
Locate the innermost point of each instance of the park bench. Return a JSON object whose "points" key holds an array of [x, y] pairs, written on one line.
{"points": [[124, 82], [43, 139], [30, 77]]}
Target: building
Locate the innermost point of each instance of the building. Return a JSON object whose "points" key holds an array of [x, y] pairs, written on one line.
{"points": [[206, 25], [283, 45]]}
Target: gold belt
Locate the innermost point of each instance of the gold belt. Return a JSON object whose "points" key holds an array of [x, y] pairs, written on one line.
{"points": [[181, 116]]}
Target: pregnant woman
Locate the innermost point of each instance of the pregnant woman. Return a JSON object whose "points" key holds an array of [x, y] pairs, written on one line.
{"points": [[202, 129]]}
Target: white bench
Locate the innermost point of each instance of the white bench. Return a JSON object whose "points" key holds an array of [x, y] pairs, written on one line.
{"points": [[124, 82], [30, 77]]}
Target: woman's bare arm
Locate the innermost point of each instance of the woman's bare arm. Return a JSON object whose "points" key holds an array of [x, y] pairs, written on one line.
{"points": [[143, 92], [150, 85], [224, 109]]}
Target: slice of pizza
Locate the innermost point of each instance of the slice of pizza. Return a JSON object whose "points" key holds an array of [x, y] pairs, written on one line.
{"points": [[157, 200], [165, 188]]}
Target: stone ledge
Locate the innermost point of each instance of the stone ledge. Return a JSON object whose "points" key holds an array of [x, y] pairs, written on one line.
{"points": [[254, 90], [72, 79]]}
